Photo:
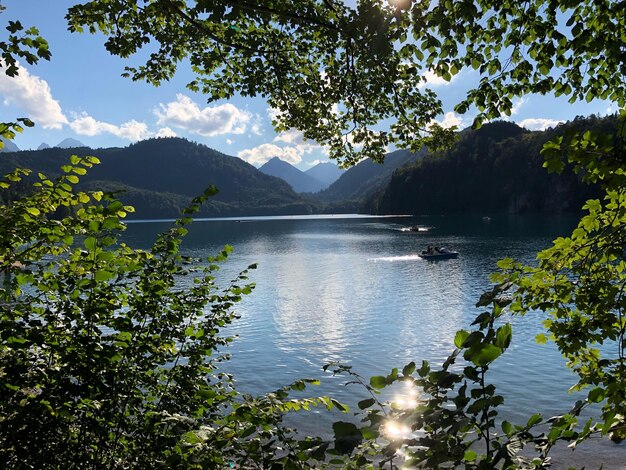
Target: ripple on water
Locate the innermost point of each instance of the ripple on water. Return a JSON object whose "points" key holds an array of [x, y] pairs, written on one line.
{"points": [[356, 292]]}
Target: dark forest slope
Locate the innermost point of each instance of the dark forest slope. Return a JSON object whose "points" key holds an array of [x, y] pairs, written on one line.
{"points": [[159, 176], [366, 177], [497, 168]]}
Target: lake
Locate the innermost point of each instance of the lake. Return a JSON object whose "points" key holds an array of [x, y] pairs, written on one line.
{"points": [[352, 289]]}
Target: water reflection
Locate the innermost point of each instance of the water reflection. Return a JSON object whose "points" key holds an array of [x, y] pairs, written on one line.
{"points": [[355, 291]]}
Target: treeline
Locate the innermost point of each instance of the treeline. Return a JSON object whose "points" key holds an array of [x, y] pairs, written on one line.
{"points": [[495, 169]]}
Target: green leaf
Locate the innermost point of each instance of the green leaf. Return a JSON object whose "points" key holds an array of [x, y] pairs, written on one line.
{"points": [[503, 336], [103, 276], [460, 338], [347, 437], [507, 428], [596, 395], [470, 456], [533, 420], [408, 369], [90, 243], [378, 381], [482, 354], [363, 404]]}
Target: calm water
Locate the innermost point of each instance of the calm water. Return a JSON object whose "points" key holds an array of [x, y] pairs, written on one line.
{"points": [[352, 289]]}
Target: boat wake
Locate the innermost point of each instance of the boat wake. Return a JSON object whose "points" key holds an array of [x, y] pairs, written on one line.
{"points": [[415, 229], [392, 259]]}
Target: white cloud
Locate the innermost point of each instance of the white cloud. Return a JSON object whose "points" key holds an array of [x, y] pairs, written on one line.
{"points": [[434, 80], [539, 124], [165, 132], [229, 141], [517, 104], [450, 119], [33, 94], [296, 139], [131, 130], [273, 113], [210, 121], [257, 125], [264, 152]]}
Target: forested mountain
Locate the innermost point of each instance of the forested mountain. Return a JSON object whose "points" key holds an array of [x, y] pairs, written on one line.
{"points": [[159, 176], [298, 180], [497, 168], [326, 172], [366, 177]]}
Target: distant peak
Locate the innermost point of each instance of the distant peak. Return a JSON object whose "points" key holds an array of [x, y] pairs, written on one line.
{"points": [[9, 146], [70, 143], [43, 146]]}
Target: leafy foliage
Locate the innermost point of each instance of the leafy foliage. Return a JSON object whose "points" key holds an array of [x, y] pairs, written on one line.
{"points": [[579, 281], [338, 71], [108, 354], [25, 44]]}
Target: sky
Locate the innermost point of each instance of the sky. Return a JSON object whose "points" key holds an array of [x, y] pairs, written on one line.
{"points": [[80, 94]]}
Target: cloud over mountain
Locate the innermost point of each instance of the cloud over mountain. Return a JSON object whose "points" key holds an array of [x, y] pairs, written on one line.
{"points": [[539, 124], [209, 121], [265, 152], [132, 130]]}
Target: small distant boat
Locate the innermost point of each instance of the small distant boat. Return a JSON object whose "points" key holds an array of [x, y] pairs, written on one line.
{"points": [[439, 253], [415, 228], [486, 219]]}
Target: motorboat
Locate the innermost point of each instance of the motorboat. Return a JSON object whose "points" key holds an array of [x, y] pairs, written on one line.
{"points": [[439, 253], [415, 228]]}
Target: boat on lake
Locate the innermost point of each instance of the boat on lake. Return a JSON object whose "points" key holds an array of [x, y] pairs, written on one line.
{"points": [[438, 253], [415, 228]]}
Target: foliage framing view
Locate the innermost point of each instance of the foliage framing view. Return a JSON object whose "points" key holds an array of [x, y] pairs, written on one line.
{"points": [[336, 73]]}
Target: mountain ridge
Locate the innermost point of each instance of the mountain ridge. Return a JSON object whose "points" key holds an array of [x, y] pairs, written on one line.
{"points": [[297, 179], [326, 172], [185, 170]]}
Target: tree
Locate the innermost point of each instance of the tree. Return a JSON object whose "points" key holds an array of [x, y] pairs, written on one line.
{"points": [[25, 44], [338, 73]]}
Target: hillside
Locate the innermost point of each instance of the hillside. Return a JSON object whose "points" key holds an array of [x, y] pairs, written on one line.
{"points": [[298, 180], [497, 168], [159, 176], [366, 177]]}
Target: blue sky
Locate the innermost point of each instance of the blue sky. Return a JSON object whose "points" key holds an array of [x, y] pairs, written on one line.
{"points": [[80, 94]]}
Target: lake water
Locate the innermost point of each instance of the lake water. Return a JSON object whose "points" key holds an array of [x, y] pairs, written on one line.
{"points": [[352, 289]]}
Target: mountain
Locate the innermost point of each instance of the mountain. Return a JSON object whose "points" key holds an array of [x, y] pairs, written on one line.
{"points": [[298, 180], [326, 172], [44, 146], [495, 169], [9, 146], [160, 176], [69, 143], [366, 177]]}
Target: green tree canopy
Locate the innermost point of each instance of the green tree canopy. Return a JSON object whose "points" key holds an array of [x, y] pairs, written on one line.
{"points": [[342, 71]]}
